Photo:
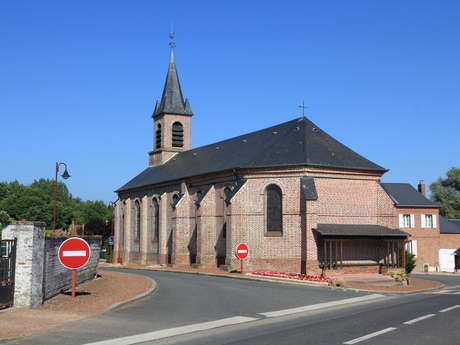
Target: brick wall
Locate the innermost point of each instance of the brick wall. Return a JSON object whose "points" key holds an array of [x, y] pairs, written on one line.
{"points": [[428, 239], [197, 232]]}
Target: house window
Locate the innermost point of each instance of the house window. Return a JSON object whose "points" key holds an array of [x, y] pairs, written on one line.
{"points": [[177, 135], [137, 225], [158, 137], [428, 221], [273, 210], [406, 221]]}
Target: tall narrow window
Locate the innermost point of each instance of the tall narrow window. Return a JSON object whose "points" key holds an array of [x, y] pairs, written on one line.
{"points": [[156, 220], [274, 209], [158, 137], [137, 225], [177, 135]]}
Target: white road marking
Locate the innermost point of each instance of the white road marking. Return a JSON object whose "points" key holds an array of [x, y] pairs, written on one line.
{"points": [[371, 335], [74, 253], [410, 322], [450, 308], [320, 305], [164, 333]]}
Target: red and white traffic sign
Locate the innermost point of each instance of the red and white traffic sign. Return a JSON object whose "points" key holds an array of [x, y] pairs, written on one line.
{"points": [[242, 251], [74, 253]]}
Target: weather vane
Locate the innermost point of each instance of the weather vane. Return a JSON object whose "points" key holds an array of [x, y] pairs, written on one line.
{"points": [[303, 107], [172, 35]]}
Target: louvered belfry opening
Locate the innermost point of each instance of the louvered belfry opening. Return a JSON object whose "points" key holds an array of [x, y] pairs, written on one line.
{"points": [[158, 137], [177, 135]]}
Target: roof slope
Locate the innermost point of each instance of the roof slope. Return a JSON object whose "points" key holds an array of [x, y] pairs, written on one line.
{"points": [[449, 226], [404, 195], [296, 142]]}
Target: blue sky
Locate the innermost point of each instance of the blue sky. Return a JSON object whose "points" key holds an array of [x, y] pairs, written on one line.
{"points": [[79, 80]]}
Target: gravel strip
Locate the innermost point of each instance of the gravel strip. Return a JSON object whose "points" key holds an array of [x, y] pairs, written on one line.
{"points": [[95, 296]]}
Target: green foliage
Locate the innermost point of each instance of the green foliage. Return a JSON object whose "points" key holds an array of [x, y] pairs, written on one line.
{"points": [[35, 203], [410, 262], [447, 193]]}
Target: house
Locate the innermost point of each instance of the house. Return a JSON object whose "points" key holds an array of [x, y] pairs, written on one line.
{"points": [[301, 200], [419, 217]]}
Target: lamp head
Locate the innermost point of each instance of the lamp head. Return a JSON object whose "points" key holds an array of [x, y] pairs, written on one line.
{"points": [[65, 175]]}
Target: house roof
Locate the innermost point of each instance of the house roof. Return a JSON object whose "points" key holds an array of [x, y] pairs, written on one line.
{"points": [[455, 221], [172, 100], [404, 195], [296, 142], [449, 226], [358, 230]]}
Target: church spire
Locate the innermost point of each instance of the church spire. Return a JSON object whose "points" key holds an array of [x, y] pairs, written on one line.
{"points": [[172, 100]]}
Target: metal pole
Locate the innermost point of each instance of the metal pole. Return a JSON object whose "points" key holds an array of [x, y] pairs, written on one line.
{"points": [[74, 282], [241, 268], [53, 223]]}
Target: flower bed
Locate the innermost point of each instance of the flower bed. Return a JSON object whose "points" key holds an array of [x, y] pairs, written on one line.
{"points": [[296, 276]]}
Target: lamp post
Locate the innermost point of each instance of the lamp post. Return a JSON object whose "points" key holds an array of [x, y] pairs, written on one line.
{"points": [[65, 176]]}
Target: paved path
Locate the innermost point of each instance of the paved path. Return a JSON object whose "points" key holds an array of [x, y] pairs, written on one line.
{"points": [[185, 299]]}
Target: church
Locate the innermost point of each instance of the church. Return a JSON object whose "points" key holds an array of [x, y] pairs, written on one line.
{"points": [[302, 201]]}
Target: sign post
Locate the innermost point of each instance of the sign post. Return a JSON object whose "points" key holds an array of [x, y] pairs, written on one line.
{"points": [[74, 253], [242, 251]]}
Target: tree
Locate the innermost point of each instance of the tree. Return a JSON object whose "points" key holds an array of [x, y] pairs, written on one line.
{"points": [[447, 193], [4, 219], [35, 202]]}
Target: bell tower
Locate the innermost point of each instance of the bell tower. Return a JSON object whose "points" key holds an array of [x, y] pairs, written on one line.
{"points": [[171, 118]]}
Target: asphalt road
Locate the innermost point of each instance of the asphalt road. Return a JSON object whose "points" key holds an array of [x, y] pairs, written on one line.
{"points": [[189, 303], [184, 299]]}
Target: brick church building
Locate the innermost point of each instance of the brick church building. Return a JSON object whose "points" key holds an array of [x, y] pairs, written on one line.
{"points": [[301, 200]]}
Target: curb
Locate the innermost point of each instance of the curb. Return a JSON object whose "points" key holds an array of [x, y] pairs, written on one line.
{"points": [[291, 282], [150, 291]]}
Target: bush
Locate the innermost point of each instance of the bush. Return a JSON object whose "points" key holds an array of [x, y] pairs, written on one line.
{"points": [[410, 262]]}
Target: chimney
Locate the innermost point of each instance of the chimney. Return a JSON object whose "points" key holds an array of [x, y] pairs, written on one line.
{"points": [[421, 187]]}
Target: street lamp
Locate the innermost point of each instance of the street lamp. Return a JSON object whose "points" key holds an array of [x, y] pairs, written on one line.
{"points": [[65, 176]]}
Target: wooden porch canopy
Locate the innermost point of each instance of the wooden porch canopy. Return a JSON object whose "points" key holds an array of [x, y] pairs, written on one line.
{"points": [[342, 244]]}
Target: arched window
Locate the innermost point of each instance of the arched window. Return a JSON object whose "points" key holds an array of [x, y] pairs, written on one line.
{"points": [[156, 219], [137, 224], [177, 135], [158, 137], [274, 209]]}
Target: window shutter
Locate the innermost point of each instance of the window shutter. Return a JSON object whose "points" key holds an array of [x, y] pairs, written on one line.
{"points": [[434, 221], [401, 221], [412, 220], [423, 221], [414, 247]]}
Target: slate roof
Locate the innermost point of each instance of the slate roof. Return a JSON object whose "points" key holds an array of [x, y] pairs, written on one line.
{"points": [[172, 101], [455, 221], [404, 195], [296, 142], [360, 230], [308, 188], [449, 226]]}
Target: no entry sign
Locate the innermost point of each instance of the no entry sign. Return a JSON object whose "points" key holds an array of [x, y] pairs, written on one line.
{"points": [[74, 253], [242, 251]]}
